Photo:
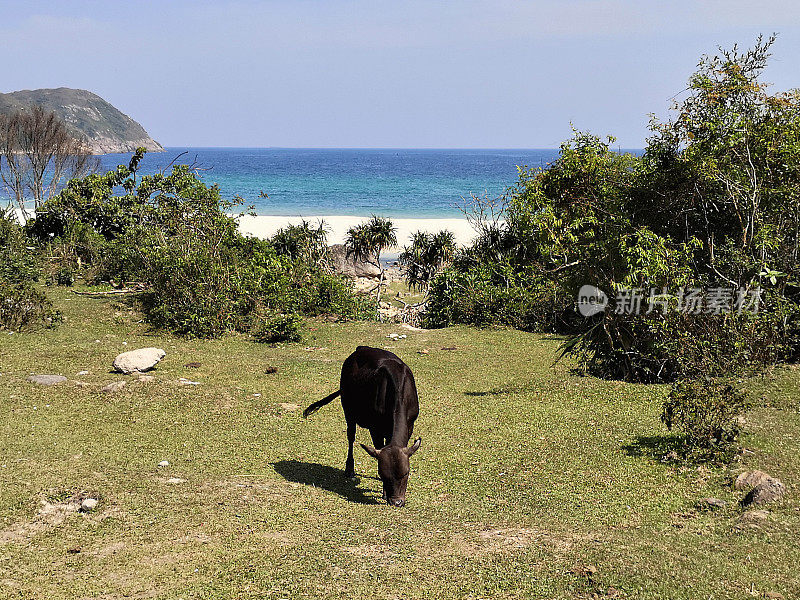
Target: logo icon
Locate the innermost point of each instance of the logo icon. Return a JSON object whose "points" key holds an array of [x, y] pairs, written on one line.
{"points": [[591, 300]]}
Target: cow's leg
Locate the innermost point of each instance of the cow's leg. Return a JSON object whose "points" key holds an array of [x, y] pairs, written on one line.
{"points": [[350, 465]]}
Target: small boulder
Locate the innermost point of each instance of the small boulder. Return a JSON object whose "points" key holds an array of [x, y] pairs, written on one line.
{"points": [[766, 491], [163, 463], [350, 266], [712, 503], [89, 504], [140, 360], [145, 378], [113, 387], [47, 379], [750, 479], [754, 516]]}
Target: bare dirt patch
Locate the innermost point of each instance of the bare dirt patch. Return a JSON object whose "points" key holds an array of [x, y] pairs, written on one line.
{"points": [[493, 540], [55, 508]]}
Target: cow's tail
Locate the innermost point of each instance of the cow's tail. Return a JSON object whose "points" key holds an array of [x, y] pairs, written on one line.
{"points": [[320, 403]]}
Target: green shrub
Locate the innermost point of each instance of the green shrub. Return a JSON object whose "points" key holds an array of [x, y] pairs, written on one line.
{"points": [[174, 235], [63, 276], [494, 294], [24, 308], [667, 346], [427, 255], [303, 242], [18, 259], [707, 412], [279, 328]]}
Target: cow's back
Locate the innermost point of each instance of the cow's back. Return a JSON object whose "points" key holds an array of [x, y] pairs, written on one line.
{"points": [[365, 373]]}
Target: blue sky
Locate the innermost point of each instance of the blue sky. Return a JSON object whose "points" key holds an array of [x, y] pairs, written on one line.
{"points": [[328, 73]]}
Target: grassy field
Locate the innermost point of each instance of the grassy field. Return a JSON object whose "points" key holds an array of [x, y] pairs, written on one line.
{"points": [[531, 481]]}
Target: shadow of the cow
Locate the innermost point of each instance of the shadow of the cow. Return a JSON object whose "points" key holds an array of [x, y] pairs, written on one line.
{"points": [[327, 478]]}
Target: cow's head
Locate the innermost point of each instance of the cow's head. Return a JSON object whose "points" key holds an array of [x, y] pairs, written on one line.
{"points": [[393, 468]]}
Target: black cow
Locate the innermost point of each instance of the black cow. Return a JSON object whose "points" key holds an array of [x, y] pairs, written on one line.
{"points": [[378, 393]]}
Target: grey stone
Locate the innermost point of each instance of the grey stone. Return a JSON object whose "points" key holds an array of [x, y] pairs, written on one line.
{"points": [[750, 479], [350, 266], [113, 387], [766, 491], [712, 503], [753, 517], [47, 379], [140, 360]]}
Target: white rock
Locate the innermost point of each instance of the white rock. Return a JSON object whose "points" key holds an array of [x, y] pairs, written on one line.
{"points": [[176, 480], [81, 373], [140, 360], [163, 463], [89, 504]]}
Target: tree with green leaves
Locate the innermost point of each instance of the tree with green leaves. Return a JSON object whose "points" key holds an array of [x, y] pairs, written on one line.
{"points": [[367, 240], [428, 254], [714, 202]]}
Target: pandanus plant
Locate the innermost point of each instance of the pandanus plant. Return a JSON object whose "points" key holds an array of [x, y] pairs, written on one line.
{"points": [[366, 242]]}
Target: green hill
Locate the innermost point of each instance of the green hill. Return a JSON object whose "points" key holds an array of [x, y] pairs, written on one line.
{"points": [[106, 129]]}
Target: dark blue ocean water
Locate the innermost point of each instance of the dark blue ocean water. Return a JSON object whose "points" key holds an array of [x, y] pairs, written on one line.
{"points": [[395, 183]]}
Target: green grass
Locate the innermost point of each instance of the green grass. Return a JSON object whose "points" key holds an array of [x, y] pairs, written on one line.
{"points": [[527, 475]]}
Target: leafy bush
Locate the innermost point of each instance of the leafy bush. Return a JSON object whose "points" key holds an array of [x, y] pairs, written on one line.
{"points": [[24, 308], [707, 412], [673, 345], [63, 276], [172, 234], [712, 203], [301, 242], [18, 261], [279, 328], [427, 255], [494, 294]]}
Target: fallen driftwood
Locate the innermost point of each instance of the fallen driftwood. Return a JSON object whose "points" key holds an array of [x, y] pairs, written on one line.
{"points": [[135, 289]]}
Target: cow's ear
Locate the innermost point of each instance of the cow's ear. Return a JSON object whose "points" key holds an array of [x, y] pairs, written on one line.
{"points": [[371, 451], [414, 447]]}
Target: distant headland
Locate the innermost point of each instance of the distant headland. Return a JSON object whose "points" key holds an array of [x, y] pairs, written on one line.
{"points": [[106, 129]]}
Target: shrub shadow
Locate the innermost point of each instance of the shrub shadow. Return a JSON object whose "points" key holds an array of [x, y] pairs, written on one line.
{"points": [[660, 448], [503, 391], [325, 477]]}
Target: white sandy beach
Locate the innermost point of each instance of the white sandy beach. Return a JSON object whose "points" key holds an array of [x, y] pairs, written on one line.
{"points": [[263, 226]]}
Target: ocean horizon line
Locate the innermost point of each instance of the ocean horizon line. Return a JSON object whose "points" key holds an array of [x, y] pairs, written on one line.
{"points": [[378, 148]]}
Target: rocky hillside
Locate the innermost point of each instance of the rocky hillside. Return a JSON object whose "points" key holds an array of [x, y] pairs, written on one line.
{"points": [[105, 128]]}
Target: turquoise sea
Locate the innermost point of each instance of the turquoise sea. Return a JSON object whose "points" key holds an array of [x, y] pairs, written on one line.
{"points": [[396, 183]]}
